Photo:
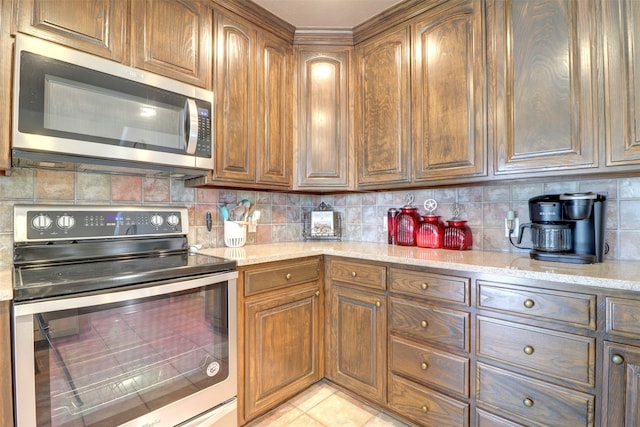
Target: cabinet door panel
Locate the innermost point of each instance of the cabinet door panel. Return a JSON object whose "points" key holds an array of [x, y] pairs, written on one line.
{"points": [[235, 135], [282, 332], [544, 81], [173, 38], [274, 106], [621, 390], [97, 27], [357, 342], [383, 110], [622, 90], [324, 111], [447, 87]]}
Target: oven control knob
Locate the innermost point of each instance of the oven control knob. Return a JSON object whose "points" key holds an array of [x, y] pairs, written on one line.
{"points": [[156, 220], [41, 222], [173, 220], [66, 222]]}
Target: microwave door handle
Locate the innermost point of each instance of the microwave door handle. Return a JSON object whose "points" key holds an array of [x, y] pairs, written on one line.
{"points": [[191, 125]]}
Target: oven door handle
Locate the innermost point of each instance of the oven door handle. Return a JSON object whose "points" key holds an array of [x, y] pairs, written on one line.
{"points": [[191, 125], [114, 296]]}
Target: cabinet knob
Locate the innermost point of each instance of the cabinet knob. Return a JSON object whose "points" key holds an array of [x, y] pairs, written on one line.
{"points": [[617, 359], [424, 286], [354, 274], [527, 402], [317, 293], [288, 276], [378, 303], [424, 409], [424, 323], [529, 303], [528, 350], [424, 366]]}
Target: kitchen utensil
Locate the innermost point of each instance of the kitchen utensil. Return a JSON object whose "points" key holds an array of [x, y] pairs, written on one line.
{"points": [[225, 212], [238, 212]]}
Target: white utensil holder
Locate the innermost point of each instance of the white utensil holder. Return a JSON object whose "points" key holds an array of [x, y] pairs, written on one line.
{"points": [[235, 233]]}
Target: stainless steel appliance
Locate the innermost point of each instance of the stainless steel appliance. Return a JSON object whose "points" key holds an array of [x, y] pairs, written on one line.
{"points": [[567, 227], [75, 110], [116, 322]]}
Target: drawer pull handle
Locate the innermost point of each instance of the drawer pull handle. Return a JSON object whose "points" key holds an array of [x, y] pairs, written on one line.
{"points": [[424, 409], [378, 304], [617, 359], [424, 286], [354, 274], [424, 366], [424, 323], [288, 276], [529, 303], [527, 402], [317, 293], [528, 350]]}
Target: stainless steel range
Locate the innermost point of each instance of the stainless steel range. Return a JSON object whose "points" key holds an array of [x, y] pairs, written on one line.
{"points": [[117, 323]]}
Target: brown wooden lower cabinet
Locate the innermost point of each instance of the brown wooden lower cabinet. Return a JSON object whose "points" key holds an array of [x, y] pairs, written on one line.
{"points": [[621, 388], [280, 340], [6, 388]]}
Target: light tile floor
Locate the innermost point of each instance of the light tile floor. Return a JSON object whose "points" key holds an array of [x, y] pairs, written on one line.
{"points": [[325, 405]]}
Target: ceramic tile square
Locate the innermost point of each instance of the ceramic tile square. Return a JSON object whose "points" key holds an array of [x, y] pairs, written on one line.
{"points": [[180, 193], [340, 409], [607, 187], [19, 185], [354, 199], [156, 189], [206, 195], [630, 212], [560, 187], [629, 188], [313, 395], [497, 193], [55, 185], [470, 194], [92, 187], [369, 199], [526, 191], [126, 188], [227, 196]]}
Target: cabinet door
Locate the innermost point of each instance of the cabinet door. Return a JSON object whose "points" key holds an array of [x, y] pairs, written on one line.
{"points": [[282, 335], [543, 78], [324, 138], [621, 385], [448, 87], [6, 385], [357, 341], [236, 100], [383, 107], [97, 27], [173, 38], [621, 18], [274, 143]]}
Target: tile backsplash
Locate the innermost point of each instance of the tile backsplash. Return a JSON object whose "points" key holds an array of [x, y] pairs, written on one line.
{"points": [[282, 214]]}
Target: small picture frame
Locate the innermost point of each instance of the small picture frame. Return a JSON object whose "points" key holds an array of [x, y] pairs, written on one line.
{"points": [[322, 223]]}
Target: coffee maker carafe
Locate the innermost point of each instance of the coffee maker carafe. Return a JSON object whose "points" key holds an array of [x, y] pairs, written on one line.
{"points": [[567, 227]]}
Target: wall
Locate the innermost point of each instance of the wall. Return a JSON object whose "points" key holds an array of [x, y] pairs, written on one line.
{"points": [[282, 213]]}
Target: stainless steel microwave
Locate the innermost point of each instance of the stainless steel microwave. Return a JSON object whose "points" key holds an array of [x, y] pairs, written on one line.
{"points": [[72, 108]]}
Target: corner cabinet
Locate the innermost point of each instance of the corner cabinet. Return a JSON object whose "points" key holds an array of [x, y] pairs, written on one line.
{"points": [[543, 75], [383, 108], [448, 87], [280, 338], [324, 110]]}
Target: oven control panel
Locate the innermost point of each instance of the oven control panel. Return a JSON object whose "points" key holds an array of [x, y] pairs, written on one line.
{"points": [[49, 222]]}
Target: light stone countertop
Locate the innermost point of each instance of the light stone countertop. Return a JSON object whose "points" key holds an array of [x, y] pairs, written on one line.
{"points": [[623, 275]]}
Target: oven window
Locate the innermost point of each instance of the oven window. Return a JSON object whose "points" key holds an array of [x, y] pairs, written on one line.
{"points": [[112, 363]]}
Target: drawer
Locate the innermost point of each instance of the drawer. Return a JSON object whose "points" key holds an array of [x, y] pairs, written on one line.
{"points": [[556, 354], [485, 419], [623, 317], [430, 285], [430, 366], [280, 275], [426, 322], [531, 401], [358, 273], [424, 406], [566, 307]]}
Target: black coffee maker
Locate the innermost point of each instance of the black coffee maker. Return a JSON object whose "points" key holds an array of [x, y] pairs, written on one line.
{"points": [[567, 227]]}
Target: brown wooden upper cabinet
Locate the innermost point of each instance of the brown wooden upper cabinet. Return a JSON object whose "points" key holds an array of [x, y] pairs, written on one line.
{"points": [[543, 79], [168, 37], [621, 19], [324, 136], [383, 107], [448, 92], [253, 110]]}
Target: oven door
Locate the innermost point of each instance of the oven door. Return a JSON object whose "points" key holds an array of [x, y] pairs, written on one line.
{"points": [[152, 356]]}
